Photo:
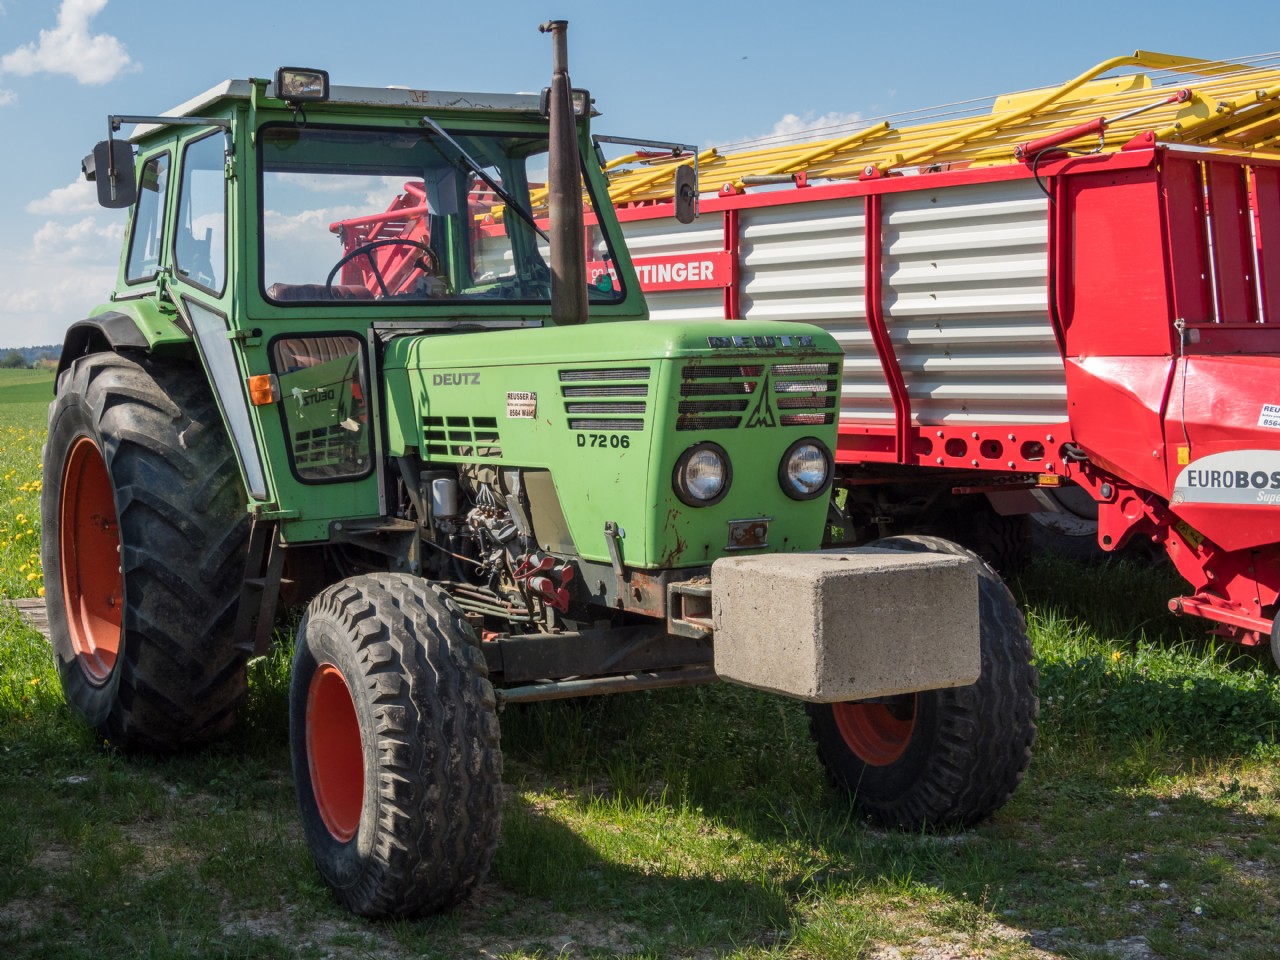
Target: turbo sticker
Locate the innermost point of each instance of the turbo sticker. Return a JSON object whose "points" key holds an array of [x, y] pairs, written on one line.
{"points": [[1241, 476]]}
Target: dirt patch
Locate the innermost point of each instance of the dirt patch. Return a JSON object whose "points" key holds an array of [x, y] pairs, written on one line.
{"points": [[23, 915], [54, 858]]}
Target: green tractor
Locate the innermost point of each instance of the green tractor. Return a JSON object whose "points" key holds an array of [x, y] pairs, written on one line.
{"points": [[382, 352]]}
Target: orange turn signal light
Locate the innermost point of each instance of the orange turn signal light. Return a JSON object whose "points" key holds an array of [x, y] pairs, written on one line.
{"points": [[261, 392]]}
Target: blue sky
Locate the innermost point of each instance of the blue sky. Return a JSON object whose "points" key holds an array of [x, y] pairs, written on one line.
{"points": [[696, 72]]}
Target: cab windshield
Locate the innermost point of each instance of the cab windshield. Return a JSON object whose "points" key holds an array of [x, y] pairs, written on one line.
{"points": [[403, 217]]}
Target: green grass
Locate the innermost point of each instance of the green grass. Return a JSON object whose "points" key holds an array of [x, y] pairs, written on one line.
{"points": [[678, 823], [24, 400]]}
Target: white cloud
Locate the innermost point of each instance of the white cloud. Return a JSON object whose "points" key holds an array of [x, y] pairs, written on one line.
{"points": [[87, 239], [80, 196], [63, 272], [799, 128], [308, 223], [796, 128], [70, 48], [7, 97], [41, 311], [332, 184]]}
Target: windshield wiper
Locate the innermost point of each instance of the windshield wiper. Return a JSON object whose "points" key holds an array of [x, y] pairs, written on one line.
{"points": [[509, 200]]}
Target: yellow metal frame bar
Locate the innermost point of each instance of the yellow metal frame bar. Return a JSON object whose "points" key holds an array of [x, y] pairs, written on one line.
{"points": [[1231, 108]]}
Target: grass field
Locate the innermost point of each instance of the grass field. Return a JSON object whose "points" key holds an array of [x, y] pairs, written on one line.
{"points": [[680, 823]]}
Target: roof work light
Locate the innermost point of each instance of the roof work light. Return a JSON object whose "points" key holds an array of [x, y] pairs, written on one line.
{"points": [[302, 85]]}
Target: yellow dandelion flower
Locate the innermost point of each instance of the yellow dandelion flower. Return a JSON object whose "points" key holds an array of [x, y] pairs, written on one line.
{"points": [[40, 592], [32, 576]]}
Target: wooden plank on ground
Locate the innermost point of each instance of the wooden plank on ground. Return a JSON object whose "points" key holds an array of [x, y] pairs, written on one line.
{"points": [[31, 609]]}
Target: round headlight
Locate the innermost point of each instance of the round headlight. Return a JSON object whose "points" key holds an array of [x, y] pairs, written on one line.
{"points": [[805, 471], [702, 475]]}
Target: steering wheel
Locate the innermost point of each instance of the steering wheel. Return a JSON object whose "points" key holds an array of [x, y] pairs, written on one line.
{"points": [[428, 264]]}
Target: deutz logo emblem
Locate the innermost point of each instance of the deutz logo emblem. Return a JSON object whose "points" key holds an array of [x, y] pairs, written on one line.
{"points": [[762, 413]]}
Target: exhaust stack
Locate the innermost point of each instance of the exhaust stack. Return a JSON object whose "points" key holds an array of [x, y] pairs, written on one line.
{"points": [[564, 190]]}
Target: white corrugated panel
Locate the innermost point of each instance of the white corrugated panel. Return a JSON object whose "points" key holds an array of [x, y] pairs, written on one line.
{"points": [[804, 262], [965, 295], [667, 237], [966, 303], [686, 304]]}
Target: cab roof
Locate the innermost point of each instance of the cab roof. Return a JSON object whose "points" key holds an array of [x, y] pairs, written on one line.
{"points": [[368, 97]]}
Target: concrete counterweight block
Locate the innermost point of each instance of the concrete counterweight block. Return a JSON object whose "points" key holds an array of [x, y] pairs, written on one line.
{"points": [[846, 625]]}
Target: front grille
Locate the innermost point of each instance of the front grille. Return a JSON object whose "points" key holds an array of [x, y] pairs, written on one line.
{"points": [[475, 437], [589, 404], [805, 392], [607, 408], [604, 425], [712, 406], [720, 371], [729, 384], [710, 389], [621, 373], [707, 423], [608, 390], [721, 396], [805, 369]]}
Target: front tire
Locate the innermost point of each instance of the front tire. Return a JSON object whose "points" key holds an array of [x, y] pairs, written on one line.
{"points": [[940, 758], [144, 540], [393, 730]]}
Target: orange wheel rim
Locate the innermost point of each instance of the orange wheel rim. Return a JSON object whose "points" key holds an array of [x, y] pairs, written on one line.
{"points": [[334, 752], [92, 585], [877, 732]]}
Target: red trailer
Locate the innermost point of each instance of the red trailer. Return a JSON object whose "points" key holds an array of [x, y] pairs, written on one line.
{"points": [[1081, 287]]}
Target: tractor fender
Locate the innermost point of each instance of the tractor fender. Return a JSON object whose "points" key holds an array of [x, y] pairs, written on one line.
{"points": [[136, 325]]}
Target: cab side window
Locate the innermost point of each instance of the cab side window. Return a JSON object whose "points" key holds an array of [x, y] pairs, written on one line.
{"points": [[148, 221], [200, 244]]}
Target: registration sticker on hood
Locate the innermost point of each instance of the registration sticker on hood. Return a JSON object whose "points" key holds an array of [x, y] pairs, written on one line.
{"points": [[1270, 416], [1240, 476], [522, 405]]}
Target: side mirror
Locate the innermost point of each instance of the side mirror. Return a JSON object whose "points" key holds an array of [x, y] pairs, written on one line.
{"points": [[686, 194], [110, 166]]}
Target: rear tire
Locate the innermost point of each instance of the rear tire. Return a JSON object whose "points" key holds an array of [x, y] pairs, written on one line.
{"points": [[940, 758], [1071, 531], [1004, 542], [144, 540], [393, 729]]}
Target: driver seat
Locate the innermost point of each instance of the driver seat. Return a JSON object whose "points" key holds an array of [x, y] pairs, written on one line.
{"points": [[297, 292]]}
